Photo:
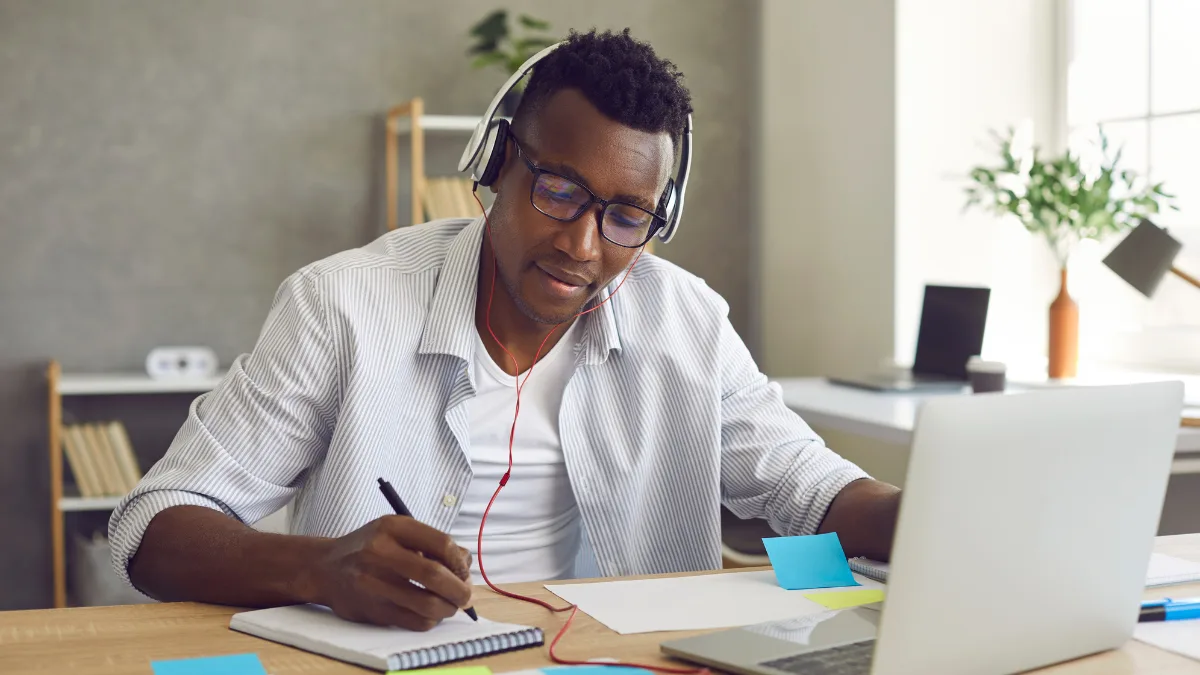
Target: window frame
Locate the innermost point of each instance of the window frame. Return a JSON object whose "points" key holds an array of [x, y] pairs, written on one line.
{"points": [[1172, 347]]}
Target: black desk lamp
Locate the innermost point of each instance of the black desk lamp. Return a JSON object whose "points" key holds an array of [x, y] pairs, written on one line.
{"points": [[1145, 256], [1142, 259]]}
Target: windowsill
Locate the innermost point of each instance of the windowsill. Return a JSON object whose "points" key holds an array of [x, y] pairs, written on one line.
{"points": [[1032, 374], [1092, 374]]}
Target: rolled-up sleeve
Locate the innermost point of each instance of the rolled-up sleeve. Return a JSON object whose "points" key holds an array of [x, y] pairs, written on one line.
{"points": [[246, 446], [773, 465]]}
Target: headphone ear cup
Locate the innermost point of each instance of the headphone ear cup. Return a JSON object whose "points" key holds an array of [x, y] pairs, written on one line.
{"points": [[667, 200], [666, 208], [494, 152]]}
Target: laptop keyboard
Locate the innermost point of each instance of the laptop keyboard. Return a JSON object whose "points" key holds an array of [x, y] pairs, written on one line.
{"points": [[851, 659]]}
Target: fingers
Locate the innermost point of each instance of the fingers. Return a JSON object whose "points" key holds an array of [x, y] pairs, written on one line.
{"points": [[414, 608], [395, 563], [433, 543], [465, 573], [380, 607], [435, 577]]}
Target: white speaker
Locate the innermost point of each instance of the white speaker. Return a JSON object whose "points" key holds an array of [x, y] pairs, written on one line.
{"points": [[181, 362]]}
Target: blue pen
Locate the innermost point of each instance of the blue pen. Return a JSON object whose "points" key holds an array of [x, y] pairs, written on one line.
{"points": [[1170, 609]]}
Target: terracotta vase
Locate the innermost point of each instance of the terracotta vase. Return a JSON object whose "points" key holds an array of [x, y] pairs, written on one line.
{"points": [[1064, 333]]}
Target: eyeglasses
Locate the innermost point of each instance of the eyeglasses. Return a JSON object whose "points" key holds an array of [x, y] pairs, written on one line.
{"points": [[565, 200]]}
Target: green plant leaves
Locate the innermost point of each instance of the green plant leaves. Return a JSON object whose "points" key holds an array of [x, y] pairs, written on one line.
{"points": [[490, 30], [487, 59], [496, 46], [532, 46], [1058, 198], [534, 24]]}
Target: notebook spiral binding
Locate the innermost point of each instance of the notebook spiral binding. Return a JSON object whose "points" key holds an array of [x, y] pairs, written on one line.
{"points": [[869, 568], [457, 651]]}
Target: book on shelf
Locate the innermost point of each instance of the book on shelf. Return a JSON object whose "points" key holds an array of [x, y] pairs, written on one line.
{"points": [[431, 199], [466, 203], [126, 460], [436, 205], [448, 197], [101, 458], [80, 460]]}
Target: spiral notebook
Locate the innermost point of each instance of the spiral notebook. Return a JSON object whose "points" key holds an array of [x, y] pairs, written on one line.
{"points": [[1164, 570], [316, 629]]}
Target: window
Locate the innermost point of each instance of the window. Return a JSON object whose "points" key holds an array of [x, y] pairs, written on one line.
{"points": [[1133, 70]]}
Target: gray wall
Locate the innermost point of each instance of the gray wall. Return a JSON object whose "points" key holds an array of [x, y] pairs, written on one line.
{"points": [[165, 164], [826, 245]]}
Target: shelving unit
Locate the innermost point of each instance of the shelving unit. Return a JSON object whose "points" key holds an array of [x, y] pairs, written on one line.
{"points": [[409, 119], [438, 123], [67, 504], [60, 385], [113, 384]]}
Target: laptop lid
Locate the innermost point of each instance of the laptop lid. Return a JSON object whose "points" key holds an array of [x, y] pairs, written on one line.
{"points": [[1026, 527], [953, 319]]}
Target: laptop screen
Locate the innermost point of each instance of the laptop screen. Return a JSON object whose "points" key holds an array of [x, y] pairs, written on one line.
{"points": [[952, 324]]}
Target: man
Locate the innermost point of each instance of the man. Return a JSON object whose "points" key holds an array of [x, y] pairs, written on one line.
{"points": [[400, 360]]}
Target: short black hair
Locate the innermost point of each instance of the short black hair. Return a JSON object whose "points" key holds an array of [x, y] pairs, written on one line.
{"points": [[619, 75]]}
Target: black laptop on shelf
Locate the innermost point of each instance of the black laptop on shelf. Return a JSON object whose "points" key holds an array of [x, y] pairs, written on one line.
{"points": [[953, 319]]}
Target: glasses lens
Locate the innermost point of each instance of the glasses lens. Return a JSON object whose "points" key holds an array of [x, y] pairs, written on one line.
{"points": [[558, 197], [627, 225]]}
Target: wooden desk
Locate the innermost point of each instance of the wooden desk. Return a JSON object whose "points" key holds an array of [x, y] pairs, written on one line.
{"points": [[112, 640]]}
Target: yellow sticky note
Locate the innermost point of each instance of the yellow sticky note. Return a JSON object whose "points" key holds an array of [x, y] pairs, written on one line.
{"points": [[461, 670], [844, 599]]}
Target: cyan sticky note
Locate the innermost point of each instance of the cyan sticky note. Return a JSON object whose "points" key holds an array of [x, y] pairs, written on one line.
{"points": [[813, 561], [233, 664]]}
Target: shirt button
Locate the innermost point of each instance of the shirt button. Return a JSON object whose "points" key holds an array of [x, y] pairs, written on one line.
{"points": [[449, 500]]}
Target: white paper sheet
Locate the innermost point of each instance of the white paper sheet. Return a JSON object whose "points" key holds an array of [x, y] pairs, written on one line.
{"points": [[1181, 637], [692, 603], [1165, 569]]}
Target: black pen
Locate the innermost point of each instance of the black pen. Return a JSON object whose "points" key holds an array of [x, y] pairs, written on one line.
{"points": [[389, 493]]}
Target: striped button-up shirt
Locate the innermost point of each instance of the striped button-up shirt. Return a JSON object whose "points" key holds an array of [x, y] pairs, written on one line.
{"points": [[362, 369]]}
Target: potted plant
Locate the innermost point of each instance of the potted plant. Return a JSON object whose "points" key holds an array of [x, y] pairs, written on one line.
{"points": [[1064, 200], [495, 45]]}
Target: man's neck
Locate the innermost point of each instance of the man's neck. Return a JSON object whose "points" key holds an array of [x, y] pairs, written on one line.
{"points": [[521, 335]]}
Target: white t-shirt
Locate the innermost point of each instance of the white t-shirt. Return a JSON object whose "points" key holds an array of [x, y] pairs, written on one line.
{"points": [[532, 531]]}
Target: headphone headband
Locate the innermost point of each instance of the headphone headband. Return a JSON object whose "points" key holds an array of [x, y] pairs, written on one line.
{"points": [[485, 151], [471, 153]]}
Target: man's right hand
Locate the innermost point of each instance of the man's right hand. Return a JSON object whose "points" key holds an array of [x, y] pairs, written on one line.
{"points": [[372, 574]]}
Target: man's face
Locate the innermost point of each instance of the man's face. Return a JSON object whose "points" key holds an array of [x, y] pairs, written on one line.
{"points": [[551, 268]]}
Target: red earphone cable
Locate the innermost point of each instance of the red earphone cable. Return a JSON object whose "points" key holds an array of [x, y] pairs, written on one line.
{"points": [[504, 479]]}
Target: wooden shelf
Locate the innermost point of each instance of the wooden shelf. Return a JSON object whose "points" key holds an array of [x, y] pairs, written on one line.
{"points": [[466, 123], [410, 121], [88, 503], [129, 383], [64, 499]]}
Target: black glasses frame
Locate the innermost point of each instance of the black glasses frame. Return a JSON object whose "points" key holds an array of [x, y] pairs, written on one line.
{"points": [[657, 223]]}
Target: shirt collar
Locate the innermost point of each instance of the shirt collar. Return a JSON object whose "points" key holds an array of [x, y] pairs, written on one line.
{"points": [[601, 336], [450, 325]]}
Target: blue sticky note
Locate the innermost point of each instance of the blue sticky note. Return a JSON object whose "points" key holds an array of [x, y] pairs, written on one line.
{"points": [[233, 664], [814, 561]]}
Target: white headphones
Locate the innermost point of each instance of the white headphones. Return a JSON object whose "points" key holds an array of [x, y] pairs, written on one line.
{"points": [[484, 154]]}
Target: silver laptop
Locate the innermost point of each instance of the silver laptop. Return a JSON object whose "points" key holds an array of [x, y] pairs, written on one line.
{"points": [[1024, 536]]}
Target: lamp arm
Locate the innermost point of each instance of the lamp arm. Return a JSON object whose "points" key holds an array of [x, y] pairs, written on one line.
{"points": [[1186, 277]]}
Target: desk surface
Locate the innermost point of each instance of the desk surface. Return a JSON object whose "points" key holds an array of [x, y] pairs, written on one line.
{"points": [[111, 640], [889, 417]]}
